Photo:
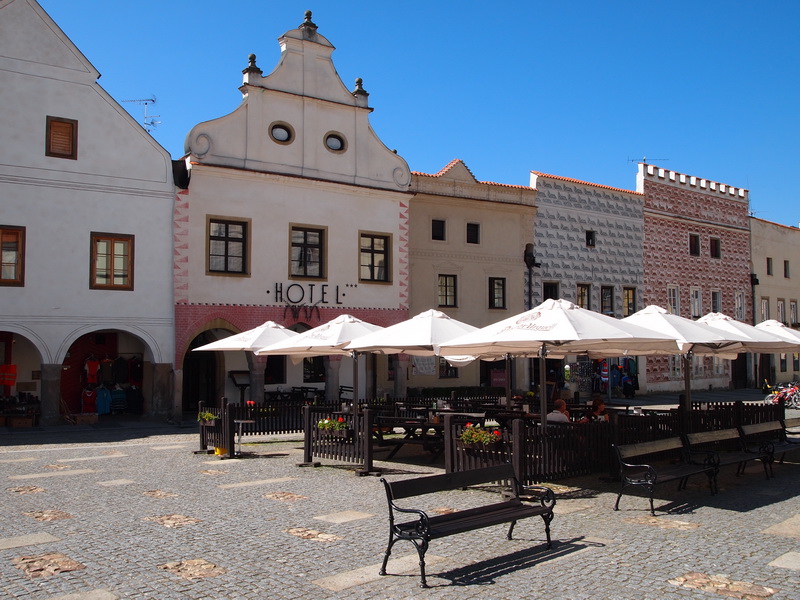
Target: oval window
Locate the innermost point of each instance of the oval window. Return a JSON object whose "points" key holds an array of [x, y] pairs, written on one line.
{"points": [[281, 133], [334, 142]]}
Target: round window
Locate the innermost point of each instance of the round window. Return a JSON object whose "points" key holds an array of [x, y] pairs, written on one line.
{"points": [[334, 142], [281, 133]]}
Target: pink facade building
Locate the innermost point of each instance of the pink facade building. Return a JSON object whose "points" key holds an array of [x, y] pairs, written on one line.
{"points": [[696, 260]]}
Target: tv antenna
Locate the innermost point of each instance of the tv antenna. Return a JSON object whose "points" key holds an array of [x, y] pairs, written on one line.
{"points": [[644, 160], [149, 121]]}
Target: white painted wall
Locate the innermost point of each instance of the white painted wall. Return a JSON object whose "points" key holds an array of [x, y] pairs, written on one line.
{"points": [[120, 183]]}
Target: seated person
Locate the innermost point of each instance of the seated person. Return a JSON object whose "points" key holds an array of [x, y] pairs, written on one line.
{"points": [[559, 414], [598, 412]]}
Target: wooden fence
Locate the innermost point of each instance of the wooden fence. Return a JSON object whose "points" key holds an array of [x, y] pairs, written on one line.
{"points": [[560, 451]]}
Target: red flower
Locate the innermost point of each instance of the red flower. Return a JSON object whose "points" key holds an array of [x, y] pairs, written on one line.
{"points": [[497, 432], [469, 424], [341, 420]]}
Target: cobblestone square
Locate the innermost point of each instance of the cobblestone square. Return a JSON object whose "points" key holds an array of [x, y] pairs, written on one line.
{"points": [[150, 518]]}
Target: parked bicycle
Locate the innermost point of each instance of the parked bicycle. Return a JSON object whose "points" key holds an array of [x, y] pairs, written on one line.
{"points": [[788, 392]]}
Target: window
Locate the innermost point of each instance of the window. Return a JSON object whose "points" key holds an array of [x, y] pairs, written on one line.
{"points": [[786, 269], [696, 302], [783, 362], [61, 138], [781, 316], [764, 309], [275, 369], [738, 308], [473, 233], [591, 238], [227, 246], [447, 290], [335, 142], [716, 301], [446, 370], [718, 365], [313, 369], [675, 366], [628, 301], [694, 244], [769, 265], [550, 290], [497, 292], [308, 252], [584, 296], [112, 262], [607, 300], [673, 299], [282, 133], [793, 313], [12, 256], [437, 229], [374, 257], [796, 362], [715, 247]]}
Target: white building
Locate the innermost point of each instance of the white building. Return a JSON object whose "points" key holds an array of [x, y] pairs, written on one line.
{"points": [[86, 200], [293, 211]]}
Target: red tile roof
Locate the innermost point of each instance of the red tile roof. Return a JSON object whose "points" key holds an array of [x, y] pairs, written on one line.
{"points": [[454, 162], [605, 187]]}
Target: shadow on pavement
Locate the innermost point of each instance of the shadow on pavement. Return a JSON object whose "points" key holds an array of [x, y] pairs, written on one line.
{"points": [[487, 571]]}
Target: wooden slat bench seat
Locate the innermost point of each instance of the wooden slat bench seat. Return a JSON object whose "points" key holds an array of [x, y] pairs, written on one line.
{"points": [[677, 463], [772, 437], [731, 448], [423, 528]]}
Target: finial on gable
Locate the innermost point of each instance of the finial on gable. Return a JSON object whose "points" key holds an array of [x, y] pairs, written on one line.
{"points": [[251, 66], [307, 26], [360, 93]]}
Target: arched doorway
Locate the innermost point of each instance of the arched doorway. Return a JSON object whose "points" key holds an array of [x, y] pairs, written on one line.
{"points": [[200, 375], [103, 372]]}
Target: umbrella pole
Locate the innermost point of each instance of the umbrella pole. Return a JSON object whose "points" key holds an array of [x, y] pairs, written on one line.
{"points": [[355, 381], [508, 381], [686, 405], [543, 386], [687, 381]]}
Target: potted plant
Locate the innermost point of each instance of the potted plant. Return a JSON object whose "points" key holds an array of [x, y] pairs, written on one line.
{"points": [[206, 418], [334, 427], [475, 436]]}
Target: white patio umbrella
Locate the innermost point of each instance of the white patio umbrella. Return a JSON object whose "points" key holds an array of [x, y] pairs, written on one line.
{"points": [[252, 339], [558, 328], [691, 338], [756, 340], [779, 329], [416, 336], [325, 340]]}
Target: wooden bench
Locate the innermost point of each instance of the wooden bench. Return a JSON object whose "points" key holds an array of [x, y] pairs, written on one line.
{"points": [[772, 437], [731, 448], [423, 528], [633, 471]]}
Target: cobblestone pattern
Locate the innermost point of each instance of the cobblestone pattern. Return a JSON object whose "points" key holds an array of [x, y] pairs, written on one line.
{"points": [[247, 544]]}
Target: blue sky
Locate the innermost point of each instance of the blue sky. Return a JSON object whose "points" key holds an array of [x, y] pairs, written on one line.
{"points": [[581, 89]]}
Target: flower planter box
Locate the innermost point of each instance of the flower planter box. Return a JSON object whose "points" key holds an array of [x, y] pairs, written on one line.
{"points": [[337, 435], [207, 423]]}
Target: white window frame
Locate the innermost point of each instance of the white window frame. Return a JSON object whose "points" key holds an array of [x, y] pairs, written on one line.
{"points": [[674, 299]]}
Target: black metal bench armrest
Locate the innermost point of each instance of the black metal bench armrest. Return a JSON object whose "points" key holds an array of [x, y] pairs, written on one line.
{"points": [[423, 526], [650, 471], [701, 457], [544, 494]]}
